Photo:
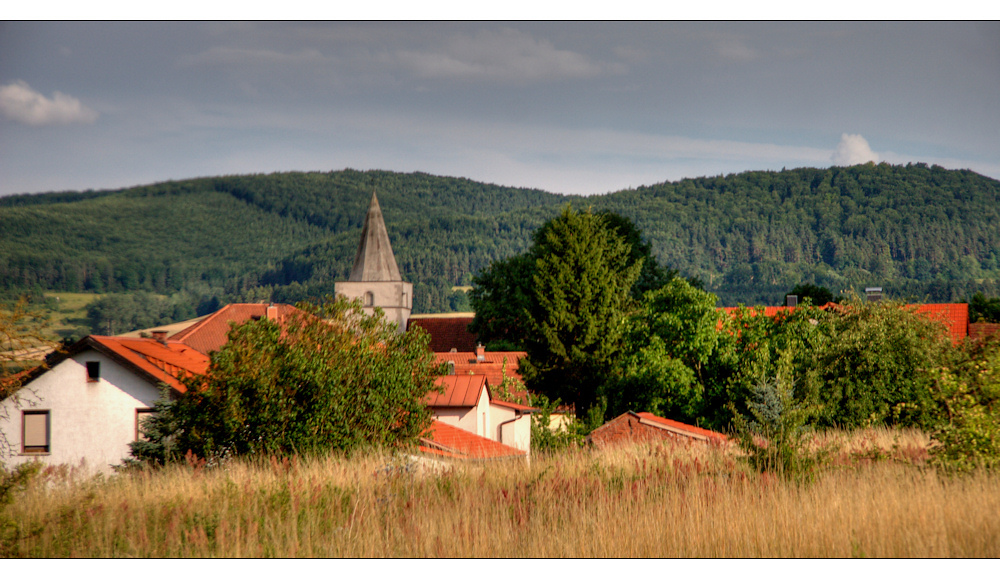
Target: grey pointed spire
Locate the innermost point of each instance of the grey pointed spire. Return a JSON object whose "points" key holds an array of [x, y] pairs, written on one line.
{"points": [[374, 260]]}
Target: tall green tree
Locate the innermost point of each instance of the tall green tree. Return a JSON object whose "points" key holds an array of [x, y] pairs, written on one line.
{"points": [[580, 297], [501, 297]]}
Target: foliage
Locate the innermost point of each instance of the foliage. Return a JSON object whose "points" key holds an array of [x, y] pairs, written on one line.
{"points": [[16, 480], [545, 436], [925, 233], [983, 309], [872, 368], [968, 395], [667, 343], [330, 379], [23, 334], [652, 276], [501, 296], [120, 313], [773, 436], [580, 297], [158, 444], [817, 295]]}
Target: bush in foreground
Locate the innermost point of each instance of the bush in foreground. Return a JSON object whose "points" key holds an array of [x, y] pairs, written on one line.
{"points": [[330, 379]]}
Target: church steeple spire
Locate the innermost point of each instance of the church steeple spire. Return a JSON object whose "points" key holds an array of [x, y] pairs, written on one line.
{"points": [[375, 278], [374, 260]]}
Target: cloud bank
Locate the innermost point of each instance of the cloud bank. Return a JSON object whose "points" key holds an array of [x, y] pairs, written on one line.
{"points": [[505, 55], [853, 150], [20, 103]]}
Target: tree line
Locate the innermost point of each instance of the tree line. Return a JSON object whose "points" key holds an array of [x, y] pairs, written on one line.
{"points": [[922, 232]]}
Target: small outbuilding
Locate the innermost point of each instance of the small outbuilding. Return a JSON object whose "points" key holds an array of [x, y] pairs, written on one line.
{"points": [[634, 427]]}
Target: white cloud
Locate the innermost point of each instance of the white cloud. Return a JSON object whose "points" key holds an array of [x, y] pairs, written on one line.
{"points": [[500, 55], [20, 103], [853, 150]]}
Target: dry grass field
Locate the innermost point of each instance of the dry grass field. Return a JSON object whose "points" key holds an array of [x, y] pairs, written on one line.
{"points": [[875, 498]]}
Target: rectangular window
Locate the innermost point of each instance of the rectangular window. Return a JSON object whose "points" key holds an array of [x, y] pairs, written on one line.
{"points": [[93, 371], [35, 432], [141, 416]]}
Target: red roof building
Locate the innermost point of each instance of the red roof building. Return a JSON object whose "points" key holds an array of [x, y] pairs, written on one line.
{"points": [[467, 404], [166, 362], [636, 427], [955, 317], [449, 332], [210, 333], [449, 441]]}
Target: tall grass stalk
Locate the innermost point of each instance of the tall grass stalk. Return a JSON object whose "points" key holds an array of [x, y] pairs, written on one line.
{"points": [[641, 501]]}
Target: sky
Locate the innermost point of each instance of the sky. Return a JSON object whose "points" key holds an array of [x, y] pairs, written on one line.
{"points": [[581, 108]]}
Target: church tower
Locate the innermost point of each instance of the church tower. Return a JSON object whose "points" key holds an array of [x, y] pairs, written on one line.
{"points": [[375, 276]]}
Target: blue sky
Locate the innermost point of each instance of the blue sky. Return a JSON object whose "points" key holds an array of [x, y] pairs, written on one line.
{"points": [[566, 107]]}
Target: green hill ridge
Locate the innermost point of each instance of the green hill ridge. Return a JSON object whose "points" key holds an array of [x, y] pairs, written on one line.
{"points": [[921, 232]]}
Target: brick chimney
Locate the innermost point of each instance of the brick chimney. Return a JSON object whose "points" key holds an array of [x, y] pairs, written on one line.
{"points": [[480, 354], [160, 336], [272, 313]]}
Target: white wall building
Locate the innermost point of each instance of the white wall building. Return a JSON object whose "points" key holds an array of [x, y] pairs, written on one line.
{"points": [[85, 409]]}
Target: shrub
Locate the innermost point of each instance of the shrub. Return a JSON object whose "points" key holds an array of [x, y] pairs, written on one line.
{"points": [[329, 379], [968, 398]]}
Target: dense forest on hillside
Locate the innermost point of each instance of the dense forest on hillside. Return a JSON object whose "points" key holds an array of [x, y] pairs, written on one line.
{"points": [[922, 233]]}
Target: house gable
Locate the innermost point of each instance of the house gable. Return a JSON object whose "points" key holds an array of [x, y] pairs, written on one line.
{"points": [[90, 422]]}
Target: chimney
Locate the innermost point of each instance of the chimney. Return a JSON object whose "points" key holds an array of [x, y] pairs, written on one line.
{"points": [[272, 313], [874, 294], [480, 354], [160, 336], [791, 300]]}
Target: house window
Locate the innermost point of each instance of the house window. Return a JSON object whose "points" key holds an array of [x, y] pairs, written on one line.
{"points": [[141, 416], [369, 299], [93, 371], [35, 432]]}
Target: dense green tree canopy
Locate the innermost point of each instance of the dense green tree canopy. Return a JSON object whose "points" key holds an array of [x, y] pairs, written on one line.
{"points": [[667, 343], [922, 232], [580, 295]]}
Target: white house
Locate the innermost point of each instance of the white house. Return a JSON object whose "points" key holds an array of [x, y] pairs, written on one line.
{"points": [[85, 409], [467, 404]]}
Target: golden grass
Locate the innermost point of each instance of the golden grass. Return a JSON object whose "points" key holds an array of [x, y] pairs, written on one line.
{"points": [[640, 501]]}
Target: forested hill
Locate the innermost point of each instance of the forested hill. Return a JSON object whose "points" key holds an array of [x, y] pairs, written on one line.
{"points": [[923, 233]]}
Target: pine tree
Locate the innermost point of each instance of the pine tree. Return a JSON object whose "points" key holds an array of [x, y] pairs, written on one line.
{"points": [[581, 295]]}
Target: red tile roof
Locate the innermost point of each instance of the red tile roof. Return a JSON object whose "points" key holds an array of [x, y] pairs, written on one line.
{"points": [[673, 425], [447, 332], [636, 427], [209, 334], [159, 362], [492, 366], [954, 316], [460, 391], [446, 440]]}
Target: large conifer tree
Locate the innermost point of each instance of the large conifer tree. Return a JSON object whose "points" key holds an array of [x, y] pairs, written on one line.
{"points": [[582, 290]]}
